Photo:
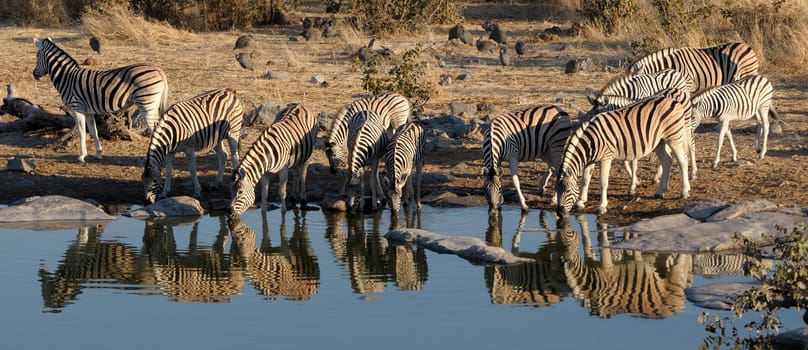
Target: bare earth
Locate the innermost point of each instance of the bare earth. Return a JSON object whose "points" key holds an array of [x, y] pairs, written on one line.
{"points": [[199, 62]]}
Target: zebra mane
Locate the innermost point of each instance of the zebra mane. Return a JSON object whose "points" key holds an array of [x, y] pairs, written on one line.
{"points": [[618, 77], [49, 45]]}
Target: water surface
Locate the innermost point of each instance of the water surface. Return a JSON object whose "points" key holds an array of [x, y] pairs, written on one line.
{"points": [[319, 280]]}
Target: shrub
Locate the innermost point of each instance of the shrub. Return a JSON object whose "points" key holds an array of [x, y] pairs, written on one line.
{"points": [[407, 77], [786, 286], [389, 16], [607, 14]]}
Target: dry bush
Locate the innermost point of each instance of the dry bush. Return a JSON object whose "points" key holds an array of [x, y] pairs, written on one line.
{"points": [[391, 16], [116, 22], [35, 13]]}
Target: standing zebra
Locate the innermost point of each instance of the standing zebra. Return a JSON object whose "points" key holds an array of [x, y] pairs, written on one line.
{"points": [[405, 151], [86, 91], [624, 134], [739, 100], [199, 124], [367, 142], [392, 107], [529, 134], [703, 67], [285, 145], [629, 89]]}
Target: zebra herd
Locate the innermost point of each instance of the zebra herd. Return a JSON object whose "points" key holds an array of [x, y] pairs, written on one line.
{"points": [[654, 107]]}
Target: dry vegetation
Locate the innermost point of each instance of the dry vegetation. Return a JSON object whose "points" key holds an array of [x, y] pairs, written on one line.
{"points": [[195, 62]]}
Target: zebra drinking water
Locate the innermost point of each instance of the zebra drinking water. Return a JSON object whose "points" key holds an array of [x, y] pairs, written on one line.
{"points": [[284, 146], [406, 151], [624, 134], [199, 124], [528, 134], [89, 92], [367, 142]]}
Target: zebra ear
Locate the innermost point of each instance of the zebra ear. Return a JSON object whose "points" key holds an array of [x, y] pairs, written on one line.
{"points": [[592, 101], [38, 43]]}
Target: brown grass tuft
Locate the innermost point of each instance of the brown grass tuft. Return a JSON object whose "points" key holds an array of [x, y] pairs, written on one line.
{"points": [[118, 23]]}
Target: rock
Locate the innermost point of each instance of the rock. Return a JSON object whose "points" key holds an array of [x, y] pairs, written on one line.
{"points": [[658, 223], [445, 80], [471, 248], [571, 67], [316, 79], [437, 196], [463, 76], [743, 208], [796, 338], [52, 208], [266, 113], [272, 75], [717, 296], [704, 208], [334, 201], [712, 236], [462, 202], [462, 108], [21, 165], [181, 206], [776, 128]]}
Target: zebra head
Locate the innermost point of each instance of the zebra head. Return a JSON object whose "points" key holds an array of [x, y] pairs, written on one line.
{"points": [[244, 195], [334, 153], [493, 187], [152, 183], [567, 191], [42, 67]]}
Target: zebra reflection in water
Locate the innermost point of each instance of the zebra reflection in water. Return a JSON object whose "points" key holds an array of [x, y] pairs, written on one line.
{"points": [[89, 261], [288, 268], [368, 258], [199, 274], [650, 285]]}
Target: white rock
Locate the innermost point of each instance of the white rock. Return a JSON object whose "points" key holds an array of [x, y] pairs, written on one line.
{"points": [[470, 248], [53, 208], [741, 209], [182, 206]]}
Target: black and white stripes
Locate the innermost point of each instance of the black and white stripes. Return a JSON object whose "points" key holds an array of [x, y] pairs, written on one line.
{"points": [[199, 124], [537, 132], [405, 154], [285, 145], [88, 92], [624, 134], [367, 143]]}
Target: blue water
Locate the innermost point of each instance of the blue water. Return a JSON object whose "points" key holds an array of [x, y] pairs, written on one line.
{"points": [[325, 282]]}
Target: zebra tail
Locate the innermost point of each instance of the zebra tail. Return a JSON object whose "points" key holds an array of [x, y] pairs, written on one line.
{"points": [[773, 115]]}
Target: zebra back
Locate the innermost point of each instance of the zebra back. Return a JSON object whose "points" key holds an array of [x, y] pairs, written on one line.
{"points": [[536, 132], [103, 92], [392, 107], [199, 123], [703, 67], [288, 142], [367, 142]]}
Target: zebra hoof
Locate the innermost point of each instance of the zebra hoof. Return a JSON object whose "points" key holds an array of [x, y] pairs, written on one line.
{"points": [[99, 156], [602, 210], [81, 160], [659, 195], [580, 205]]}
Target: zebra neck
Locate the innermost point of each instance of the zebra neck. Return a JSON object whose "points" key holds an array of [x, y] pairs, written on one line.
{"points": [[61, 67]]}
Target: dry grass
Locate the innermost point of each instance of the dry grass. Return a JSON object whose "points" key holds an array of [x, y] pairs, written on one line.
{"points": [[116, 22]]}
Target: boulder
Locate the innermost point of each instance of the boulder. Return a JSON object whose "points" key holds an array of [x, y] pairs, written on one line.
{"points": [[470, 248], [462, 202], [21, 165], [741, 209], [182, 206], [717, 296], [334, 202], [52, 208], [704, 208], [658, 223], [795, 338]]}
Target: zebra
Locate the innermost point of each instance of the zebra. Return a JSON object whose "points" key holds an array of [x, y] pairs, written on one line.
{"points": [[627, 89], [702, 67], [406, 150], [367, 142], [535, 132], [624, 134], [86, 91], [394, 108], [739, 100], [285, 145], [199, 124]]}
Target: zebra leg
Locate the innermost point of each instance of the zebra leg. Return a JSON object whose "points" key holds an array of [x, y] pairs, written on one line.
{"points": [[301, 190], [721, 133], [375, 185], [419, 172], [169, 170], [514, 165], [94, 134], [80, 127], [763, 132], [665, 160], [544, 180], [221, 161], [605, 167], [232, 141], [631, 169], [265, 191], [554, 198], [283, 178], [681, 157], [584, 195], [732, 145], [192, 168]]}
